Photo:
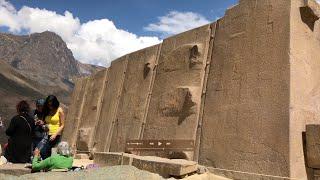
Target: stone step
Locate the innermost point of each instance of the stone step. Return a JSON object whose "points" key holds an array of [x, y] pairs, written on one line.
{"points": [[164, 167], [14, 169]]}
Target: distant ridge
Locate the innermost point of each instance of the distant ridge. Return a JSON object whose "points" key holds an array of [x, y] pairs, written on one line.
{"points": [[33, 66]]}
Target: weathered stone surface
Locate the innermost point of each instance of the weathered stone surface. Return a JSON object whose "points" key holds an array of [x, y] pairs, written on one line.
{"points": [[134, 97], [90, 110], [115, 172], [74, 112], [304, 81], [110, 102], [165, 167], [162, 166], [244, 88], [246, 114], [113, 158], [14, 169], [81, 156], [316, 175], [176, 94], [313, 146]]}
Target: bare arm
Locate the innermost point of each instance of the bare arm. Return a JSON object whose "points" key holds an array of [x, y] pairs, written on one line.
{"points": [[62, 119]]}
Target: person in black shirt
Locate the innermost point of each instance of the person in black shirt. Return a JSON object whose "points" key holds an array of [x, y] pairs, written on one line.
{"points": [[39, 130], [20, 133]]}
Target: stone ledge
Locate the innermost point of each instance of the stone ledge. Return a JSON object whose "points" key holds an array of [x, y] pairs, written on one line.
{"points": [[14, 169], [161, 166]]}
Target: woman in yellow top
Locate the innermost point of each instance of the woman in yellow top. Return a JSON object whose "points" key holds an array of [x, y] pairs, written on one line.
{"points": [[54, 119]]}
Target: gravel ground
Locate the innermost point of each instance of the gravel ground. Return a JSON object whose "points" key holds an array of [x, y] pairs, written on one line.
{"points": [[106, 173]]}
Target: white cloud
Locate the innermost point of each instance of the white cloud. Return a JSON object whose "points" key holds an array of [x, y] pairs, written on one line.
{"points": [[176, 22], [39, 20], [95, 42], [8, 16], [101, 38]]}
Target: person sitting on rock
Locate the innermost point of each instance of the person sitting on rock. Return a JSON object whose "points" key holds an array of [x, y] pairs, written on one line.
{"points": [[20, 132], [62, 160]]}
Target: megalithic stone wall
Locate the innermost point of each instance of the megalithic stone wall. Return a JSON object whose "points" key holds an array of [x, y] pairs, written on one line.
{"points": [[176, 95], [136, 91], [74, 114], [243, 88], [304, 77], [246, 114], [110, 103]]}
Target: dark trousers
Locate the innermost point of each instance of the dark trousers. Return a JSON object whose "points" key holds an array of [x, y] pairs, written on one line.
{"points": [[51, 144]]}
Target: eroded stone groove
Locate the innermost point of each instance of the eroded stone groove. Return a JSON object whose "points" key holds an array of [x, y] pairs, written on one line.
{"points": [[308, 17]]}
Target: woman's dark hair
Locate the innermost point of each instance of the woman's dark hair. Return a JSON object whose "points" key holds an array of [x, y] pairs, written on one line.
{"points": [[54, 104], [23, 108]]}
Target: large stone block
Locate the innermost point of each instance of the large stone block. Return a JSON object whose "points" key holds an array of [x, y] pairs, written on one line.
{"points": [[74, 112], [246, 113], [112, 158], [176, 95], [164, 167], [134, 97], [304, 79], [90, 110], [110, 102]]}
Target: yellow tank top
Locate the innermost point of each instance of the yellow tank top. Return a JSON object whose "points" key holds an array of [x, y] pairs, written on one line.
{"points": [[53, 122]]}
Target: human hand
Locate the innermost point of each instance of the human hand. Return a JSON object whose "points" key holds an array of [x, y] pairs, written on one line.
{"points": [[53, 137], [36, 153], [40, 122]]}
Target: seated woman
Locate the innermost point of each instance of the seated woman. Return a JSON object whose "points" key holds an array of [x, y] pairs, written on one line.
{"points": [[20, 133], [62, 160]]}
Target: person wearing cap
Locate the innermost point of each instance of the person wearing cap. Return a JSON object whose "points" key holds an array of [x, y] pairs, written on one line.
{"points": [[62, 160], [39, 131]]}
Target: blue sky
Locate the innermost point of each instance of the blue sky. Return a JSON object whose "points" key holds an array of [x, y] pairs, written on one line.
{"points": [[130, 15], [120, 26]]}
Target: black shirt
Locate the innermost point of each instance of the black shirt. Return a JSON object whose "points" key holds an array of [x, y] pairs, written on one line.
{"points": [[20, 132]]}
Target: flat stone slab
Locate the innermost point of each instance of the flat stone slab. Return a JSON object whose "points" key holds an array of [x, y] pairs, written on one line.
{"points": [[161, 166], [81, 156], [14, 169], [81, 162]]}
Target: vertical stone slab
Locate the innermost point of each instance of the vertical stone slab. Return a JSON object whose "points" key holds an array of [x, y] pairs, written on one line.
{"points": [[110, 101], [213, 27], [176, 95], [90, 110], [246, 113], [133, 101], [305, 75], [74, 112]]}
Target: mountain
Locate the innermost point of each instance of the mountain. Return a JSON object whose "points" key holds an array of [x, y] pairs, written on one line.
{"points": [[34, 66], [13, 88], [43, 57]]}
